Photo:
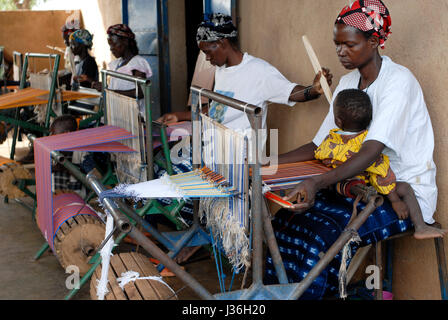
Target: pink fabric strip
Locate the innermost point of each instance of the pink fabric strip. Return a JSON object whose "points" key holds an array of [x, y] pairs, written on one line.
{"points": [[94, 139]]}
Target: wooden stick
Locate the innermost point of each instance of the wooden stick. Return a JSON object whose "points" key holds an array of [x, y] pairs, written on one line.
{"points": [[317, 68]]}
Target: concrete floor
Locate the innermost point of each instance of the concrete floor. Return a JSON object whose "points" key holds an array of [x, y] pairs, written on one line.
{"points": [[22, 278]]}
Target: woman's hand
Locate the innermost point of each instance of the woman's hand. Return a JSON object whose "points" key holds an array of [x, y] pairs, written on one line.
{"points": [[304, 194], [168, 118], [316, 82], [81, 78], [97, 85]]}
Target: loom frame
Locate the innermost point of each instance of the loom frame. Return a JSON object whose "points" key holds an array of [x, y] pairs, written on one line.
{"points": [[257, 291], [23, 124], [126, 220], [154, 207], [147, 96]]}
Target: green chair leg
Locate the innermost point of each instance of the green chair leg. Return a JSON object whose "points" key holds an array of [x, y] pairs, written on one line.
{"points": [[41, 251]]}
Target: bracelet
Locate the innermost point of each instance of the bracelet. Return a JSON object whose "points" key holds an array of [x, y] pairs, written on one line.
{"points": [[307, 93]]}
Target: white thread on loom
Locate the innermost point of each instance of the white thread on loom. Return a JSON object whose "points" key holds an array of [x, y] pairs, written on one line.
{"points": [[130, 276], [106, 253], [265, 188], [225, 153], [165, 179], [123, 112], [125, 191]]}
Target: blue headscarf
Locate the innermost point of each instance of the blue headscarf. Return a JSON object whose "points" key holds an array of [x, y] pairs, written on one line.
{"points": [[82, 36]]}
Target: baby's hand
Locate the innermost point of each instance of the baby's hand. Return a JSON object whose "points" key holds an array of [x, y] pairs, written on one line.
{"points": [[401, 209]]}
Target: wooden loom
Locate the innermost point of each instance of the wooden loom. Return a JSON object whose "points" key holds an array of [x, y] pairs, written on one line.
{"points": [[221, 184], [260, 220], [34, 96]]}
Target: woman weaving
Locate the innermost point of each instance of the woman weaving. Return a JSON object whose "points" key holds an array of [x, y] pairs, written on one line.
{"points": [[400, 128], [240, 76], [124, 47], [243, 77], [86, 70]]}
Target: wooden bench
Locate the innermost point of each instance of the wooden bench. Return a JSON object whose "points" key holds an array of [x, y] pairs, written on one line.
{"points": [[378, 248]]}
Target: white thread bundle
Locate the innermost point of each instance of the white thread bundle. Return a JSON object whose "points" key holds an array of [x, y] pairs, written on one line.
{"points": [[130, 276], [106, 252], [123, 112]]}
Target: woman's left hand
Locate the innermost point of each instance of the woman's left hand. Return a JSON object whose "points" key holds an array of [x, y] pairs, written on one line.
{"points": [[304, 194], [316, 82], [81, 78]]}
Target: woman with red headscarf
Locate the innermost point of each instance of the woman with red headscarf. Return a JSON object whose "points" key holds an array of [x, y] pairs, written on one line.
{"points": [[400, 128], [123, 46]]}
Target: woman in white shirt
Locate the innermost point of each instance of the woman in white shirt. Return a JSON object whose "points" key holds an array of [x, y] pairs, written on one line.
{"points": [[239, 76], [400, 128], [123, 46]]}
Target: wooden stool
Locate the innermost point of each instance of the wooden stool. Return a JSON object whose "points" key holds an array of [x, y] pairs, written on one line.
{"points": [[377, 247], [441, 262], [141, 289]]}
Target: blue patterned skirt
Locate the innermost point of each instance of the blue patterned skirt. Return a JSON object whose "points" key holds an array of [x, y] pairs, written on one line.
{"points": [[301, 237]]}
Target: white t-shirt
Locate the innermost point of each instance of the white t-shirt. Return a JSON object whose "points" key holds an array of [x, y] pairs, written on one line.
{"points": [[400, 121], [136, 63], [253, 81]]}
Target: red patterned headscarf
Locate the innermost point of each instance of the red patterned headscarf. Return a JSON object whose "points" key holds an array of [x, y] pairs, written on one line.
{"points": [[369, 16], [121, 30], [70, 26]]}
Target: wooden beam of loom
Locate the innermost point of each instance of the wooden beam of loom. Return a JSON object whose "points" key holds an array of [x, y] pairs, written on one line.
{"points": [[32, 96]]}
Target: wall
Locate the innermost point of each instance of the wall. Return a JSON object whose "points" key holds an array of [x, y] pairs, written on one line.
{"points": [[23, 32], [272, 30], [98, 16]]}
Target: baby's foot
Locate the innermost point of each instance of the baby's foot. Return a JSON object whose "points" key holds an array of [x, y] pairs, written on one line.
{"points": [[427, 232]]}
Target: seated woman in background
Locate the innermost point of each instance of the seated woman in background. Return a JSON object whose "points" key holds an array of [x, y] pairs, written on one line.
{"points": [[66, 74], [123, 46], [86, 70]]}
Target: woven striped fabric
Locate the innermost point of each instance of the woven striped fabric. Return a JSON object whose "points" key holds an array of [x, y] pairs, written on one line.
{"points": [[33, 96], [66, 206], [20, 98], [290, 174], [4, 160], [99, 139]]}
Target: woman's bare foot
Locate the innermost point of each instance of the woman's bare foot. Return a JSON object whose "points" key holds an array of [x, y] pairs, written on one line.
{"points": [[428, 232]]}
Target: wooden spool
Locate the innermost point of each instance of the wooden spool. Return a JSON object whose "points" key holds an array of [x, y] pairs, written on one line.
{"points": [[77, 239], [134, 290], [10, 171]]}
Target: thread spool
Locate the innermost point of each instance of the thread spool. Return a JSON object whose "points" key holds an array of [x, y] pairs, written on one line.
{"points": [[78, 231]]}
